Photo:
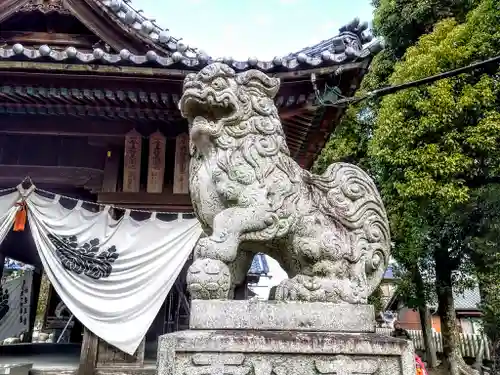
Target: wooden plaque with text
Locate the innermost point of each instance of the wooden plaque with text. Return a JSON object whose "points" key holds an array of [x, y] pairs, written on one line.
{"points": [[181, 168], [132, 162], [156, 162]]}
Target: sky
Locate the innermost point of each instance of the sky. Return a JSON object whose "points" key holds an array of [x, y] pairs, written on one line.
{"points": [[253, 28]]}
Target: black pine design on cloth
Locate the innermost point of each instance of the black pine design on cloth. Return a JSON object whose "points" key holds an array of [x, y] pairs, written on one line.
{"points": [[86, 258]]}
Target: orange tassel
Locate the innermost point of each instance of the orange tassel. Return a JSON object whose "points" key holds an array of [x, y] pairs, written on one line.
{"points": [[21, 215]]}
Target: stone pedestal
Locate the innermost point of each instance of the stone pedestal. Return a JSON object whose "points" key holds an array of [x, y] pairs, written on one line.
{"points": [[271, 338]]}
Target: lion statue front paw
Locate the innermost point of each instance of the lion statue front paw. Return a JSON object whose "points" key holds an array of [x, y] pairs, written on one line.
{"points": [[208, 279]]}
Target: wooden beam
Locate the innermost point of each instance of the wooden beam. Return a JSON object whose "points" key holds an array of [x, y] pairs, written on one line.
{"points": [[9, 7], [73, 127], [94, 69], [10, 175], [158, 83], [38, 37], [145, 199], [288, 113], [85, 111], [100, 24], [337, 69], [317, 138]]}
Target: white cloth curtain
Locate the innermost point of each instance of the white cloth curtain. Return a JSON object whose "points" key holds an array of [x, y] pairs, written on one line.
{"points": [[8, 211], [113, 275]]}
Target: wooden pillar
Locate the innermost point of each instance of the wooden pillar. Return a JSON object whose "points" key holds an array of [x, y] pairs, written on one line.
{"points": [[132, 162], [98, 354], [35, 296], [110, 357], [181, 167], [88, 356], [156, 163], [111, 170]]}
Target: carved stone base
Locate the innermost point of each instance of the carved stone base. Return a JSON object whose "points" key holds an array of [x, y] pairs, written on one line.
{"points": [[281, 352], [281, 316]]}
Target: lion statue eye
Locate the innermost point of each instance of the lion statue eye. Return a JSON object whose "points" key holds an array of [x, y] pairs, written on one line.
{"points": [[219, 83]]}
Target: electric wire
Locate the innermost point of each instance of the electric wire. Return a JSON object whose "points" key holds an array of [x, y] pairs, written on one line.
{"points": [[395, 88]]}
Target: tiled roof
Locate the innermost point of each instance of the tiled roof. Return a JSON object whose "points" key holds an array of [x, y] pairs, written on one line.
{"points": [[184, 61], [135, 21], [352, 44], [355, 31], [469, 299], [346, 46], [259, 266]]}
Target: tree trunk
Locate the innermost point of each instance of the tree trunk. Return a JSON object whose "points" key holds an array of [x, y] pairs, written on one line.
{"points": [[430, 348], [489, 290], [478, 365], [425, 321], [495, 368], [446, 309]]}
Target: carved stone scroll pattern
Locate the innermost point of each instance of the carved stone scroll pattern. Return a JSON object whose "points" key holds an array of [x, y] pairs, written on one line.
{"points": [[238, 364]]}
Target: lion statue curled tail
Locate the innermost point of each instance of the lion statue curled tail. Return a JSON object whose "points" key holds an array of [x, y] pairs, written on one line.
{"points": [[329, 233]]}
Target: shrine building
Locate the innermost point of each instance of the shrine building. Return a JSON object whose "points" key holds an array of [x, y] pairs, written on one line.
{"points": [[89, 93]]}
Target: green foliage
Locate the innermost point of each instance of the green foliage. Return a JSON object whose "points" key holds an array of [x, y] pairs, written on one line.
{"points": [[491, 306], [376, 300], [434, 150], [436, 146], [440, 141], [402, 22], [350, 140]]}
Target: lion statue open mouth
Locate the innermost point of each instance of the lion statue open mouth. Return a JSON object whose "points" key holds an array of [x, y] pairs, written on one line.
{"points": [[329, 233]]}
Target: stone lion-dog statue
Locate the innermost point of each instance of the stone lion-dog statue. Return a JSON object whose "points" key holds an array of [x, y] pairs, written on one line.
{"points": [[330, 233]]}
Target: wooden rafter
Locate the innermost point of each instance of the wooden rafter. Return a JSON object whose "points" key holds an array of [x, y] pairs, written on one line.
{"points": [[10, 7]]}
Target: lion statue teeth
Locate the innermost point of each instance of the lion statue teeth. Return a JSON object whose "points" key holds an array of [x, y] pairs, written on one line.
{"points": [[329, 233]]}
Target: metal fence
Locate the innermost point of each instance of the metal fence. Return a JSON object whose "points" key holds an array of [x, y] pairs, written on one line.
{"points": [[469, 344]]}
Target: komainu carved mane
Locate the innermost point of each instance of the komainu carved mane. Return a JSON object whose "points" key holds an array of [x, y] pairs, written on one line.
{"points": [[329, 232]]}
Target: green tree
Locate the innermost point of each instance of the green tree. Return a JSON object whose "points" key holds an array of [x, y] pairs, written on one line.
{"points": [[400, 23], [433, 147]]}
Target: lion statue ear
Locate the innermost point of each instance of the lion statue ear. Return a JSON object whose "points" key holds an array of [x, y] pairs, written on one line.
{"points": [[259, 81]]}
